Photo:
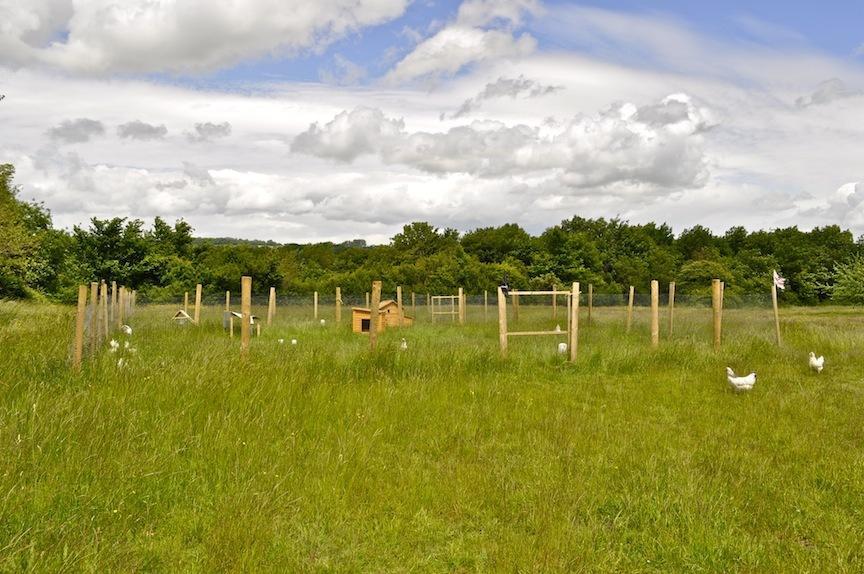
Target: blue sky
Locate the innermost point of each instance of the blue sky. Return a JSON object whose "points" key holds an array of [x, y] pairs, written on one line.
{"points": [[338, 119]]}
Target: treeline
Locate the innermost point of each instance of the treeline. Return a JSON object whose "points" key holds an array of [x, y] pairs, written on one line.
{"points": [[162, 261]]}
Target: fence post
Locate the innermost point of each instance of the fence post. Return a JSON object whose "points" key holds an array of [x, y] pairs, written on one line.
{"points": [[315, 305], [271, 306], [485, 304], [715, 304], [630, 308], [573, 335], [185, 302], [94, 318], [103, 307], [197, 318], [399, 305], [413, 306], [374, 315], [228, 300], [368, 305], [113, 300], [461, 306], [655, 314], [80, 316], [502, 322], [338, 305], [246, 313], [776, 310]]}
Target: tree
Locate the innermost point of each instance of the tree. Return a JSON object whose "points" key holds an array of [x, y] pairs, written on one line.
{"points": [[849, 281]]}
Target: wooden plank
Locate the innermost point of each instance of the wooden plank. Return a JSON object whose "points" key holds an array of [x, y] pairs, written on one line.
{"points": [[715, 305], [374, 315], [197, 317], [399, 305], [80, 317], [502, 322], [655, 314], [574, 321], [246, 312], [630, 308], [536, 333]]}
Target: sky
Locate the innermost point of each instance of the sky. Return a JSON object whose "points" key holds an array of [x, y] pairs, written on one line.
{"points": [[332, 120]]}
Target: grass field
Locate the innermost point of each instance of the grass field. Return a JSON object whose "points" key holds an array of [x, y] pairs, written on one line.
{"points": [[444, 457]]}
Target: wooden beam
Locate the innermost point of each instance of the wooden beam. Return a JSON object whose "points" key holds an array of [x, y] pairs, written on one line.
{"points": [[246, 312], [502, 322], [630, 308], [197, 317], [461, 306], [271, 306]]}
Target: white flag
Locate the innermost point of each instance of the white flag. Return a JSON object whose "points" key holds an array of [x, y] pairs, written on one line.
{"points": [[779, 282]]}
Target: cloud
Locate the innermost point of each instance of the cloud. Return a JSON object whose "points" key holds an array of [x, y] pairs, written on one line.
{"points": [[103, 36], [506, 87], [657, 145], [483, 31], [208, 131], [343, 73], [827, 92], [77, 131], [138, 130]]}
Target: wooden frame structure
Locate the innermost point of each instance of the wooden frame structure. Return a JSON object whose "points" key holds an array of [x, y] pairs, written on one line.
{"points": [[457, 306], [572, 330]]}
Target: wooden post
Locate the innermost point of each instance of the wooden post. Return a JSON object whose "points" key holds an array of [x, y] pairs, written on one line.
{"points": [[368, 305], [502, 322], [80, 316], [271, 306], [573, 334], [228, 300], [121, 306], [776, 310], [113, 300], [231, 326], [338, 305], [374, 315], [315, 305], [485, 304], [94, 317], [461, 307], [715, 304], [246, 312], [103, 306], [590, 301], [671, 306], [655, 314], [197, 317], [630, 308], [413, 306], [554, 303], [132, 300], [399, 305]]}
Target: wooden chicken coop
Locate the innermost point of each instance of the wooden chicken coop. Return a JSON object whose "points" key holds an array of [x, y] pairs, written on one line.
{"points": [[390, 316]]}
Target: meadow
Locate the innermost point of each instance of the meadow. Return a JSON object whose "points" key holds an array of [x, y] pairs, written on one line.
{"points": [[440, 458]]}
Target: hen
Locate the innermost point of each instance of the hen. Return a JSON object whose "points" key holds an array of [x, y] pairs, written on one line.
{"points": [[740, 383], [817, 363]]}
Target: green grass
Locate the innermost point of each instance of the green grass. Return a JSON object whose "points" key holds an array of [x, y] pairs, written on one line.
{"points": [[325, 457]]}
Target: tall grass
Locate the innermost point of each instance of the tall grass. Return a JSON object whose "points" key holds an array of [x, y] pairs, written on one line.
{"points": [[444, 457]]}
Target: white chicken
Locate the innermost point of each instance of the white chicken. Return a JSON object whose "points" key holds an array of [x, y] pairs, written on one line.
{"points": [[126, 329], [817, 363], [280, 341], [562, 348], [293, 341], [403, 346], [323, 322], [114, 345], [740, 383]]}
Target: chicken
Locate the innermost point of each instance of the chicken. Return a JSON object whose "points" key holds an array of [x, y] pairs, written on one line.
{"points": [[280, 341], [323, 322], [740, 383], [403, 346], [293, 341], [562, 348], [126, 329], [114, 345], [817, 363]]}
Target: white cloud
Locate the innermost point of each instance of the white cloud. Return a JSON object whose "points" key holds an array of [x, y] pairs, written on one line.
{"points": [[827, 92], [344, 72], [483, 31], [99, 36], [76, 131], [658, 145]]}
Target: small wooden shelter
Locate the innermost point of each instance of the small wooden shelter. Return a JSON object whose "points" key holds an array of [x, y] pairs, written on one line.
{"points": [[181, 317], [388, 310]]}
